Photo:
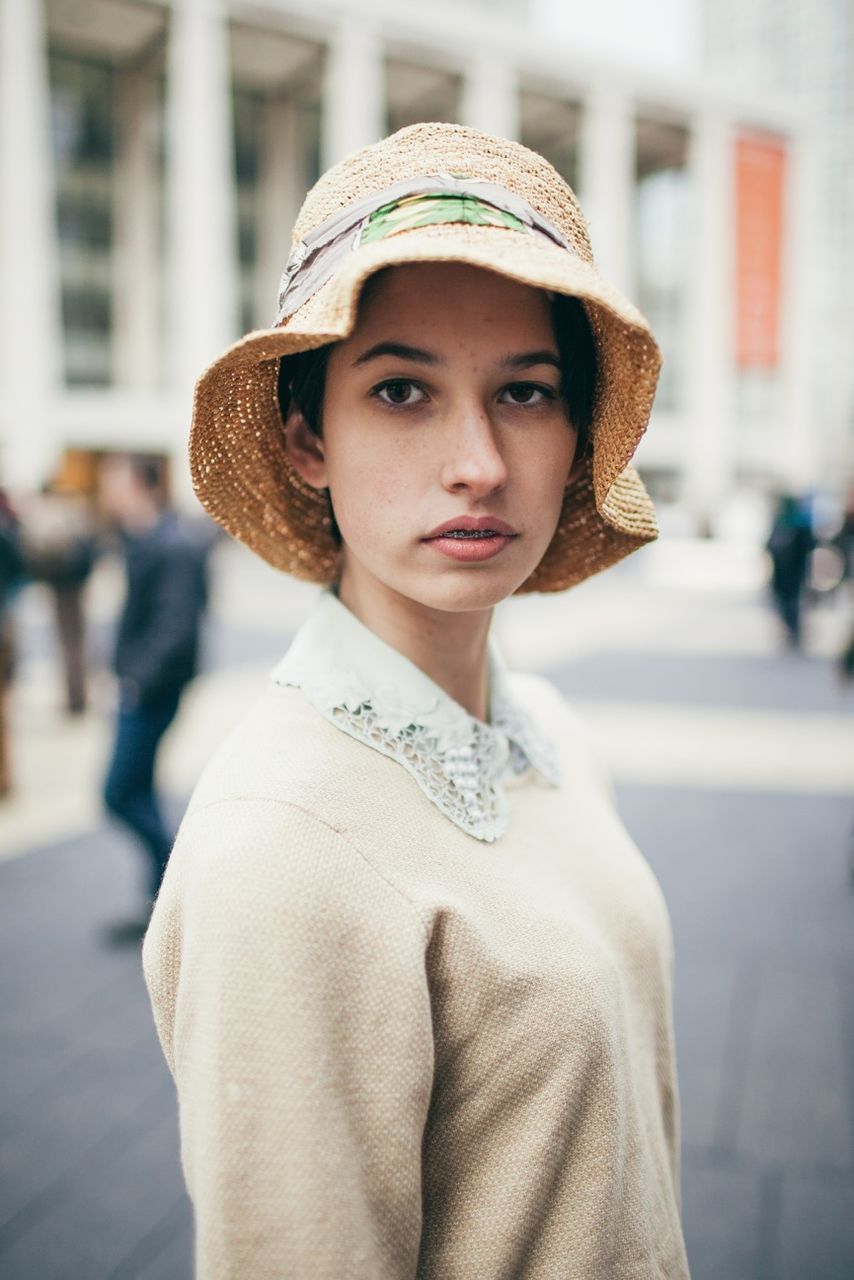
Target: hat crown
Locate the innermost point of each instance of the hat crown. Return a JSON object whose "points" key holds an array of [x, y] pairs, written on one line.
{"points": [[422, 149]]}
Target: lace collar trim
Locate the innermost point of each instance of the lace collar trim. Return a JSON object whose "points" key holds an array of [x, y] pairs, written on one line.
{"points": [[371, 692]]}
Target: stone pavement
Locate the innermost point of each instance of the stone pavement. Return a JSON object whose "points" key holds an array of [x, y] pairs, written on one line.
{"points": [[735, 771]]}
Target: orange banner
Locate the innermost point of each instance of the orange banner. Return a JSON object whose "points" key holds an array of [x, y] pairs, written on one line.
{"points": [[760, 164]]}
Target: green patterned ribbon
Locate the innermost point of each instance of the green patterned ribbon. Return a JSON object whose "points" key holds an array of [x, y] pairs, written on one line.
{"points": [[432, 209], [422, 202]]}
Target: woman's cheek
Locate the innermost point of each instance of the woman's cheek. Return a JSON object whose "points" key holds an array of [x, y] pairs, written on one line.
{"points": [[371, 506]]}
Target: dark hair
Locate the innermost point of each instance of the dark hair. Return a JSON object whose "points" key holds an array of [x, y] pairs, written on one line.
{"points": [[578, 365], [302, 377], [301, 383]]}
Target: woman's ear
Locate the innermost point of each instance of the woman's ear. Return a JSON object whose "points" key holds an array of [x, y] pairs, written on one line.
{"points": [[305, 450]]}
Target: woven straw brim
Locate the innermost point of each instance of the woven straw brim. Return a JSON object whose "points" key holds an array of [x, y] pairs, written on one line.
{"points": [[245, 480]]}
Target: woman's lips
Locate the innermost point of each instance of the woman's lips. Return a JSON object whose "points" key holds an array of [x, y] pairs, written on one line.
{"points": [[471, 538], [472, 524]]}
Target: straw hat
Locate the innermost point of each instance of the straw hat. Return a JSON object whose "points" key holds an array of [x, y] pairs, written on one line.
{"points": [[429, 193]]}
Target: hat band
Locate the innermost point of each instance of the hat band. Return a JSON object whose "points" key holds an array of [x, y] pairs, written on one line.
{"points": [[420, 202]]}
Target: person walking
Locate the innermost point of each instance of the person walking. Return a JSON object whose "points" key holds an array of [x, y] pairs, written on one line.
{"points": [[60, 549], [844, 538], [11, 575], [790, 545], [156, 649], [410, 973]]}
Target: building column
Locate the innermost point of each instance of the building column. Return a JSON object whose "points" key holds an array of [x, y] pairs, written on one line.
{"points": [[709, 459], [607, 181], [802, 463], [281, 193], [30, 307], [137, 269], [490, 99], [201, 192], [354, 89]]}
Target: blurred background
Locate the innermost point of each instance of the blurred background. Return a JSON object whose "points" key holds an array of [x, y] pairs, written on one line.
{"points": [[153, 155]]}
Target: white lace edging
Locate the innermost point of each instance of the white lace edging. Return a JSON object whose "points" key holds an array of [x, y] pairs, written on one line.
{"points": [[457, 761]]}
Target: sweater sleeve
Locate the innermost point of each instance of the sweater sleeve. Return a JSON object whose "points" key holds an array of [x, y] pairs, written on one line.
{"points": [[288, 984]]}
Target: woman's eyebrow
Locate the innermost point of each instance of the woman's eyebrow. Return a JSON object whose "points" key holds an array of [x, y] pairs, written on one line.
{"points": [[398, 349], [529, 358]]}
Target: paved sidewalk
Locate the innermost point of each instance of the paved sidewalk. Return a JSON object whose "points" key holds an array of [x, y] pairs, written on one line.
{"points": [[91, 1188]]}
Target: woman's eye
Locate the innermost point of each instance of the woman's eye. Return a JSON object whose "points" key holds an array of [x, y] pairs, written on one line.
{"points": [[398, 391], [528, 393]]}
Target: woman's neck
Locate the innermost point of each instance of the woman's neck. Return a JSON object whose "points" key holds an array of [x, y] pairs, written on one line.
{"points": [[450, 648]]}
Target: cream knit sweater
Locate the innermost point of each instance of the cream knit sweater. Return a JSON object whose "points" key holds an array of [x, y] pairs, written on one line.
{"points": [[404, 1052]]}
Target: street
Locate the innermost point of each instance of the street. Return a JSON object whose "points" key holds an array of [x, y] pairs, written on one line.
{"points": [[734, 768]]}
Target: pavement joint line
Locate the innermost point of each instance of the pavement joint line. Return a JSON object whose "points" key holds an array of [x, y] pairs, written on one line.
{"points": [[736, 1052], [111, 982], [154, 1243], [768, 1227], [76, 1063], [846, 1015], [710, 1156], [53, 1193]]}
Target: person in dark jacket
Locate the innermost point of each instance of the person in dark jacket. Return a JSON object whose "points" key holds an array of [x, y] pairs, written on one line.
{"points": [[790, 545], [11, 576], [157, 642]]}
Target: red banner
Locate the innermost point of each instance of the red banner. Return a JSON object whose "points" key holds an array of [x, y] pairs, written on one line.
{"points": [[760, 164]]}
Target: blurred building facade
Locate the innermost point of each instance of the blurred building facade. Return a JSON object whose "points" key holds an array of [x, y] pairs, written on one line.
{"points": [[804, 50], [153, 155]]}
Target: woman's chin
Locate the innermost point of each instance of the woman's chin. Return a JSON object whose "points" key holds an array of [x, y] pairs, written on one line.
{"points": [[447, 588], [464, 591]]}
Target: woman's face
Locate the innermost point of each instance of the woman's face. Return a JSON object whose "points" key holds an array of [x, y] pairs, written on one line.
{"points": [[446, 446]]}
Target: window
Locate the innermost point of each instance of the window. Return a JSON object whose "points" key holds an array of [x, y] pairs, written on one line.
{"points": [[83, 135], [661, 246]]}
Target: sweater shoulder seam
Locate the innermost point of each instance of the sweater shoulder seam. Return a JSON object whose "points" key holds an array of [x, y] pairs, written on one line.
{"points": [[329, 826]]}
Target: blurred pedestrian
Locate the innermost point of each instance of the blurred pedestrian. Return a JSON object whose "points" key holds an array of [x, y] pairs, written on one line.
{"points": [[156, 651], [59, 544], [845, 666], [11, 575], [844, 539], [790, 545], [846, 658], [410, 972]]}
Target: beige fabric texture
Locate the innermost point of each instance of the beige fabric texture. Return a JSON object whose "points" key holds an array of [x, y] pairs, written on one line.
{"points": [[400, 1051]]}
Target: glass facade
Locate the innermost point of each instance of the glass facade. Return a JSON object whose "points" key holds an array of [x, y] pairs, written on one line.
{"points": [[551, 127], [248, 166], [259, 159], [661, 248], [84, 147], [97, 196]]}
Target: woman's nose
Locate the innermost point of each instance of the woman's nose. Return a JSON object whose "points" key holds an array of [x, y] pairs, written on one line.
{"points": [[473, 460]]}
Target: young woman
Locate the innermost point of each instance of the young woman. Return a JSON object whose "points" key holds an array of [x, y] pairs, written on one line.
{"points": [[410, 974]]}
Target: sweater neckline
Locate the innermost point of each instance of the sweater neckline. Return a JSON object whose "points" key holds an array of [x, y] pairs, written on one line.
{"points": [[371, 692]]}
